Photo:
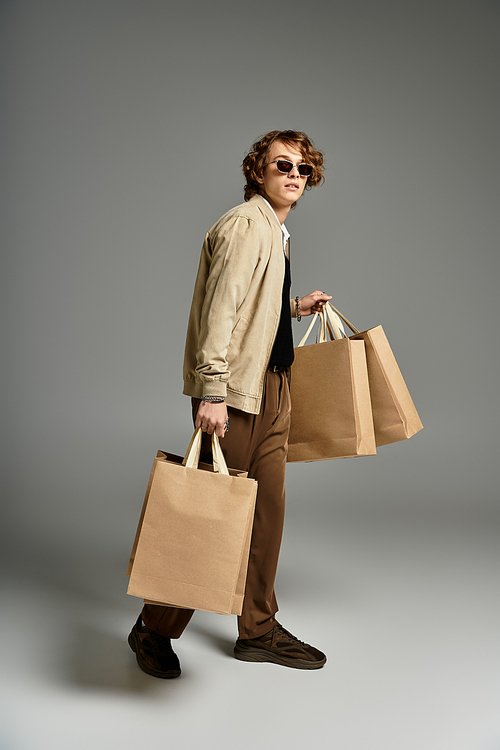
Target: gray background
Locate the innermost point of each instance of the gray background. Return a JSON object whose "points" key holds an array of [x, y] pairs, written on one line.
{"points": [[124, 127]]}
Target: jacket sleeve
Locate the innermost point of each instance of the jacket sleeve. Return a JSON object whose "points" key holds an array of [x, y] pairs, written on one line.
{"points": [[236, 251]]}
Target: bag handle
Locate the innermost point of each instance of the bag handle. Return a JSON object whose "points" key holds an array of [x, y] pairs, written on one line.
{"points": [[331, 310], [329, 321], [192, 457], [220, 465]]}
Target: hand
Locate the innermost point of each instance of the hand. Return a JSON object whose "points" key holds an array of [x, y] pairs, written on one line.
{"points": [[313, 303], [212, 418]]}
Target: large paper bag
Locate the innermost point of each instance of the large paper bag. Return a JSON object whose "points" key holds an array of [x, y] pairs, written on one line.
{"points": [[193, 539], [395, 417], [331, 410]]}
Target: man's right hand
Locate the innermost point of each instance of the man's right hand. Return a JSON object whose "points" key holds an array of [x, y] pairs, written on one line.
{"points": [[212, 418]]}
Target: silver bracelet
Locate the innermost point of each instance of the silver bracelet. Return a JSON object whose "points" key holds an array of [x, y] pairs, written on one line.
{"points": [[213, 399]]}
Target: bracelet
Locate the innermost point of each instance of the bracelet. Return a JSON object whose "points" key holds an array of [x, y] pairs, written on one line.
{"points": [[213, 399], [297, 305]]}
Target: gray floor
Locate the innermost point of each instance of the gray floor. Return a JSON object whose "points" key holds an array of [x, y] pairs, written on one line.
{"points": [[407, 611]]}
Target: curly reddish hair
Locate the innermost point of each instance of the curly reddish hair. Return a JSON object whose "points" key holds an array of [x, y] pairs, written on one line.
{"points": [[255, 161]]}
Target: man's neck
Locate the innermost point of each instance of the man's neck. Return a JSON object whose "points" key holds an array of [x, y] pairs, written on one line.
{"points": [[280, 211]]}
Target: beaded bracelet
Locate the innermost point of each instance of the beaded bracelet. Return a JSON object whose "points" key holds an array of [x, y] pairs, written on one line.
{"points": [[213, 399], [297, 305]]}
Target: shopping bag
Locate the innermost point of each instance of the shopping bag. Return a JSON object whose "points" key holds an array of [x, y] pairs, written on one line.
{"points": [[395, 417], [331, 410], [193, 538]]}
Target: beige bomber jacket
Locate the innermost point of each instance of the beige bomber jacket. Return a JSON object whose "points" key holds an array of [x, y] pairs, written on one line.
{"points": [[236, 307]]}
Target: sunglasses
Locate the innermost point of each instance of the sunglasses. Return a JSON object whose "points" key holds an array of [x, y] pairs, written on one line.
{"points": [[285, 166]]}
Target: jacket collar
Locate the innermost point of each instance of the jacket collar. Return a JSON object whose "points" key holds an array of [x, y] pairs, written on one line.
{"points": [[263, 205]]}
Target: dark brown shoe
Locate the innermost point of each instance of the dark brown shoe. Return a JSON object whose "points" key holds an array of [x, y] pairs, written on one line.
{"points": [[153, 652], [279, 647]]}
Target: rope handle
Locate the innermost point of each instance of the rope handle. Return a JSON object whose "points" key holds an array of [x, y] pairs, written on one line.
{"points": [[192, 457]]}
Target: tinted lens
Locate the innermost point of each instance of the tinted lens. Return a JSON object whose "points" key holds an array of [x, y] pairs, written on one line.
{"points": [[305, 170], [284, 166]]}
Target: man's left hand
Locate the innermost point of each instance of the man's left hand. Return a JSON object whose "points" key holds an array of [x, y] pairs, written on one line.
{"points": [[313, 302]]}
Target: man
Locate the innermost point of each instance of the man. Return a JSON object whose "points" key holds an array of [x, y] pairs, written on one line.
{"points": [[239, 349]]}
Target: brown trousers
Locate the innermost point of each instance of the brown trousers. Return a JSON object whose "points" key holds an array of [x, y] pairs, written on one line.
{"points": [[256, 443]]}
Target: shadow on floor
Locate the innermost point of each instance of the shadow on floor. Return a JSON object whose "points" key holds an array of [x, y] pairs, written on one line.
{"points": [[220, 643], [100, 660]]}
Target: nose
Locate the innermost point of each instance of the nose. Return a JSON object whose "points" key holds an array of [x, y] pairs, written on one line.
{"points": [[294, 172]]}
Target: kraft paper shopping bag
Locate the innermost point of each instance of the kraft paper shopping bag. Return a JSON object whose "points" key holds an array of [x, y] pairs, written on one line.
{"points": [[331, 409], [192, 543]]}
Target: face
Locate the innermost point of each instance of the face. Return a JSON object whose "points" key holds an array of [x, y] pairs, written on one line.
{"points": [[282, 190]]}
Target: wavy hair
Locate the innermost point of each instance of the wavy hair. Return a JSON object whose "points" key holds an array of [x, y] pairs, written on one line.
{"points": [[255, 161]]}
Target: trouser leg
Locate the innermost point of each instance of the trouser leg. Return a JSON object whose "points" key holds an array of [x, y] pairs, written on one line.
{"points": [[257, 444], [266, 463], [168, 621]]}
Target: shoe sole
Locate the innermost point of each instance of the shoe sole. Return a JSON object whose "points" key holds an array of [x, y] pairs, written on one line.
{"points": [[147, 668], [261, 655]]}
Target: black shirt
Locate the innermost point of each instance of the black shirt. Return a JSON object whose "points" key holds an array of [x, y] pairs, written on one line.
{"points": [[282, 353]]}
